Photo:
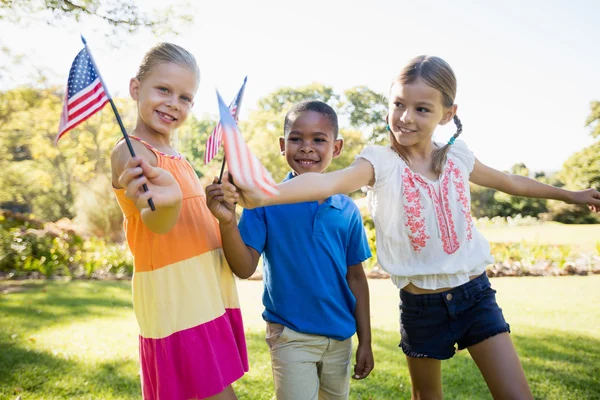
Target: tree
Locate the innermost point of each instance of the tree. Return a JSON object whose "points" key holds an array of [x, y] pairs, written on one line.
{"points": [[581, 171], [283, 98], [367, 111], [490, 203], [593, 120], [121, 15], [483, 203], [190, 140], [36, 172]]}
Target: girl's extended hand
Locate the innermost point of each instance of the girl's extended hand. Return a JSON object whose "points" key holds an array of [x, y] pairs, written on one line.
{"points": [[590, 197], [247, 197], [215, 199], [162, 187]]}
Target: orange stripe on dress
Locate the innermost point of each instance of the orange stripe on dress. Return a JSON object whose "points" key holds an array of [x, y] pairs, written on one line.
{"points": [[189, 238]]}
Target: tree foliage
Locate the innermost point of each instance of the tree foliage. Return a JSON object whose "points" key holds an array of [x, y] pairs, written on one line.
{"points": [[582, 169], [39, 174], [486, 202], [367, 110], [593, 120], [121, 15], [73, 179]]}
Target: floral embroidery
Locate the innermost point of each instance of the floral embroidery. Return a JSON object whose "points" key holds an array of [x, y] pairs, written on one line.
{"points": [[451, 245], [415, 220], [461, 190], [443, 214]]}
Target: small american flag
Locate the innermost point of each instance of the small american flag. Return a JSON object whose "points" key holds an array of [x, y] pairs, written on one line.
{"points": [[85, 94], [245, 168], [216, 137]]}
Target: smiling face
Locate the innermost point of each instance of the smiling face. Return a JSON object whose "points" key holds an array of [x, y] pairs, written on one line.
{"points": [[415, 110], [165, 97], [310, 143]]}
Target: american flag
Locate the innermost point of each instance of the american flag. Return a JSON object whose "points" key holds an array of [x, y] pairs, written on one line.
{"points": [[216, 137], [85, 94], [245, 168]]}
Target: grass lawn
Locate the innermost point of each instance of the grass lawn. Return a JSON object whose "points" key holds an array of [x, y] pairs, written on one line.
{"points": [[78, 340], [582, 237]]}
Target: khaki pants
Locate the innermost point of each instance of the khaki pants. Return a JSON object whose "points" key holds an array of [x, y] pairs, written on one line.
{"points": [[308, 367]]}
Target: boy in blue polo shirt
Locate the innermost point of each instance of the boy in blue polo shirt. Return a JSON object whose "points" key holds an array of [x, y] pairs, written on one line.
{"points": [[316, 294]]}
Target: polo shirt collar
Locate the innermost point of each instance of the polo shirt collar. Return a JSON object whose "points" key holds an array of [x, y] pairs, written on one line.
{"points": [[333, 201]]}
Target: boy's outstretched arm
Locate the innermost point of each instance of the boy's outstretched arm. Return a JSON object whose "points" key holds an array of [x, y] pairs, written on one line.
{"points": [[357, 281], [518, 185], [241, 259]]}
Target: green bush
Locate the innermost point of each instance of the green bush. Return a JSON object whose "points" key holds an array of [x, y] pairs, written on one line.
{"points": [[29, 246], [530, 253], [95, 215], [570, 214], [369, 225], [101, 256]]}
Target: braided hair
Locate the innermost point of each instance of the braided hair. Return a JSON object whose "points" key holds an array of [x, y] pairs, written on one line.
{"points": [[439, 155]]}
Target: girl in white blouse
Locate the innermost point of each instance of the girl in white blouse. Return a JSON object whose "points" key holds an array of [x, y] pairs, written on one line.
{"points": [[419, 198]]}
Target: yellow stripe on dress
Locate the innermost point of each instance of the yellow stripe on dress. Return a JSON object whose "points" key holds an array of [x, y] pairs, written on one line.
{"points": [[183, 295]]}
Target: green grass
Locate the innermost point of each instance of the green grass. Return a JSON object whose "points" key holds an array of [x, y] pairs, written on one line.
{"points": [[78, 340], [582, 237]]}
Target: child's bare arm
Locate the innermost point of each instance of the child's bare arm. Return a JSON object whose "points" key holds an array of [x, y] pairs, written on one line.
{"points": [[132, 173], [357, 281], [306, 187], [242, 259], [518, 185]]}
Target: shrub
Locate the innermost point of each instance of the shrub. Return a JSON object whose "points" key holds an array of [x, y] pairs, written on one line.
{"points": [[29, 246], [570, 214], [95, 215]]}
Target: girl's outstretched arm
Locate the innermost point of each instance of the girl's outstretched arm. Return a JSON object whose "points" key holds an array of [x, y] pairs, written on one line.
{"points": [[306, 187], [518, 185]]}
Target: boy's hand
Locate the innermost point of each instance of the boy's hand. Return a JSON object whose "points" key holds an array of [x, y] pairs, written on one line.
{"points": [[364, 362], [589, 197], [246, 197], [162, 187], [215, 199]]}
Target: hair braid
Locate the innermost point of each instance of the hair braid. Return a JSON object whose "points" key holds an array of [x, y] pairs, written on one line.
{"points": [[439, 155]]}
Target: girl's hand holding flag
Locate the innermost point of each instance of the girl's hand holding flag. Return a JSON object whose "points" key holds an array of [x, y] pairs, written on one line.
{"points": [[162, 187]]}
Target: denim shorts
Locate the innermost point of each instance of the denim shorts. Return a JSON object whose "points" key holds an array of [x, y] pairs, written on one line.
{"points": [[431, 324]]}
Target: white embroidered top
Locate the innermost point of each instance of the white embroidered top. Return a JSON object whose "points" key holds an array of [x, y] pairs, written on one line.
{"points": [[425, 234]]}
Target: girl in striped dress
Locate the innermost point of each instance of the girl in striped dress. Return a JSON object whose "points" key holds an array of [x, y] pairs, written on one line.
{"points": [[191, 342]]}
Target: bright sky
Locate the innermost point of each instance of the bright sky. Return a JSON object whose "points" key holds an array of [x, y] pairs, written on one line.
{"points": [[526, 71]]}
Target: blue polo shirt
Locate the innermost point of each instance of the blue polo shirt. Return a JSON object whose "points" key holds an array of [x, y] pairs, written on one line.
{"points": [[307, 249]]}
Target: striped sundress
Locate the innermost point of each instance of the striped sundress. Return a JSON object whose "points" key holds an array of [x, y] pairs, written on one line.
{"points": [[191, 342]]}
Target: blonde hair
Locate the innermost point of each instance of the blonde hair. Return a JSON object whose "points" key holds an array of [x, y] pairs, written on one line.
{"points": [[438, 74], [167, 52]]}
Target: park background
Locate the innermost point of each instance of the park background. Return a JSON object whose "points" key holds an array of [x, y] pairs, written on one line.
{"points": [[528, 97]]}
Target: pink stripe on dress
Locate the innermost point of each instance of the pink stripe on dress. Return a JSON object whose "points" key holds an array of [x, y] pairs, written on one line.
{"points": [[170, 365]]}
